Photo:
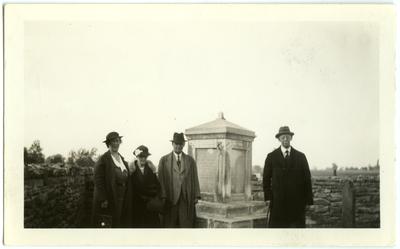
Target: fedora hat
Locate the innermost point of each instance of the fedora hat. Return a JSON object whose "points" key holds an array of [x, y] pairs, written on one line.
{"points": [[141, 151], [284, 130], [178, 138], [112, 135]]}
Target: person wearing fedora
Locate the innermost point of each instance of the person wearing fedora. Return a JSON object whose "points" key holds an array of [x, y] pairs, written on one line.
{"points": [[145, 187], [112, 197], [177, 173], [287, 184]]}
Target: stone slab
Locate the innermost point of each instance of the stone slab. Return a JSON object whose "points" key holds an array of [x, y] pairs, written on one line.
{"points": [[230, 210], [250, 221]]}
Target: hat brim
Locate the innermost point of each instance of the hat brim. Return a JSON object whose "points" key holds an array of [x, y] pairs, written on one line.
{"points": [[105, 141], [177, 142], [283, 133], [145, 155]]}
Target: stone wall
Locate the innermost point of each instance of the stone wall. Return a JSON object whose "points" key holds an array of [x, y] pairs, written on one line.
{"points": [[367, 202], [60, 196], [57, 196], [328, 198]]}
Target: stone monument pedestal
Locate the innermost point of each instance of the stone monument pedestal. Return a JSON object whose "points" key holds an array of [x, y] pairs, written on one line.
{"points": [[250, 214], [223, 153]]}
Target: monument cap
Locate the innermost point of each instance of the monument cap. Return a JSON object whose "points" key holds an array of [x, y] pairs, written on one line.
{"points": [[284, 130]]}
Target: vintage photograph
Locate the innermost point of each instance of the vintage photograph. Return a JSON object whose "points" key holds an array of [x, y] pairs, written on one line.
{"points": [[159, 117]]}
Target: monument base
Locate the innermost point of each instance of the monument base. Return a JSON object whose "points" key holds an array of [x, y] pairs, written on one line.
{"points": [[251, 214]]}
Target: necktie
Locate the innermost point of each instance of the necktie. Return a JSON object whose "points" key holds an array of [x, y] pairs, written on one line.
{"points": [[286, 153], [179, 162]]}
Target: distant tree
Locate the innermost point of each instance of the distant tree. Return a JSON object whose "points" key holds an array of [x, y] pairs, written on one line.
{"points": [[257, 169], [82, 157], [57, 158], [34, 153], [25, 156], [334, 169]]}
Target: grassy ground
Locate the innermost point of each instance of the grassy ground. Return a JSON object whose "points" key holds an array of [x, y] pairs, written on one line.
{"points": [[344, 172]]}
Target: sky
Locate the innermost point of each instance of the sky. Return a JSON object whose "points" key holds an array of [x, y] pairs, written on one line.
{"points": [[148, 79]]}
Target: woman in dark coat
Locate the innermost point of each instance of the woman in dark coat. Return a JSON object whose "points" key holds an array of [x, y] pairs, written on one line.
{"points": [[112, 197], [145, 186]]}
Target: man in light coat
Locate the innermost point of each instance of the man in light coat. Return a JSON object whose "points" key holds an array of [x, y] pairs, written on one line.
{"points": [[177, 173]]}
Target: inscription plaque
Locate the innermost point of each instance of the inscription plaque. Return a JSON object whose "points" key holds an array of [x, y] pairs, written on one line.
{"points": [[238, 160], [207, 160]]}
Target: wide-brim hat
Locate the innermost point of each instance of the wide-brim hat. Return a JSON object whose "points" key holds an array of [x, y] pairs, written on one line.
{"points": [[284, 130], [112, 135], [141, 151], [178, 138]]}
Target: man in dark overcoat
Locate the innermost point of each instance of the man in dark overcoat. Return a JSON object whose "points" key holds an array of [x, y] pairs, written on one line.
{"points": [[177, 173], [287, 184]]}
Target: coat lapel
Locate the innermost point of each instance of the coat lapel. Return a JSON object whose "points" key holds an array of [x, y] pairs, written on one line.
{"points": [[111, 164], [185, 160], [280, 157], [110, 173], [125, 163], [292, 157], [146, 170], [170, 162], [139, 174], [174, 165]]}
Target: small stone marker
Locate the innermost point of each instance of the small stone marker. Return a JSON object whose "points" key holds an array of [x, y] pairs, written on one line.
{"points": [[348, 209]]}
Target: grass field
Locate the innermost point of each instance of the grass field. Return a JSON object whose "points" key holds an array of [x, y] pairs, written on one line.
{"points": [[344, 172]]}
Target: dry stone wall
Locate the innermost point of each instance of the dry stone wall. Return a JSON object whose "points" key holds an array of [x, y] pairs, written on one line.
{"points": [[327, 210], [60, 196], [57, 197]]}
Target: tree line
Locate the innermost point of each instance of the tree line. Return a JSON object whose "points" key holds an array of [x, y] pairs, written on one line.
{"points": [[81, 157]]}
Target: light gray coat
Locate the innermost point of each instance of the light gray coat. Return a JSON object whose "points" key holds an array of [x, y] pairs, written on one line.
{"points": [[174, 182]]}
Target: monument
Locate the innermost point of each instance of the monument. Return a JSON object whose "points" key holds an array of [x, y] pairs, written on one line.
{"points": [[223, 152]]}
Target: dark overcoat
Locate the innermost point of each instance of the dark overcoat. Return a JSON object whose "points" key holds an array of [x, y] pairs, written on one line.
{"points": [[287, 184], [105, 189], [190, 186], [145, 186]]}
